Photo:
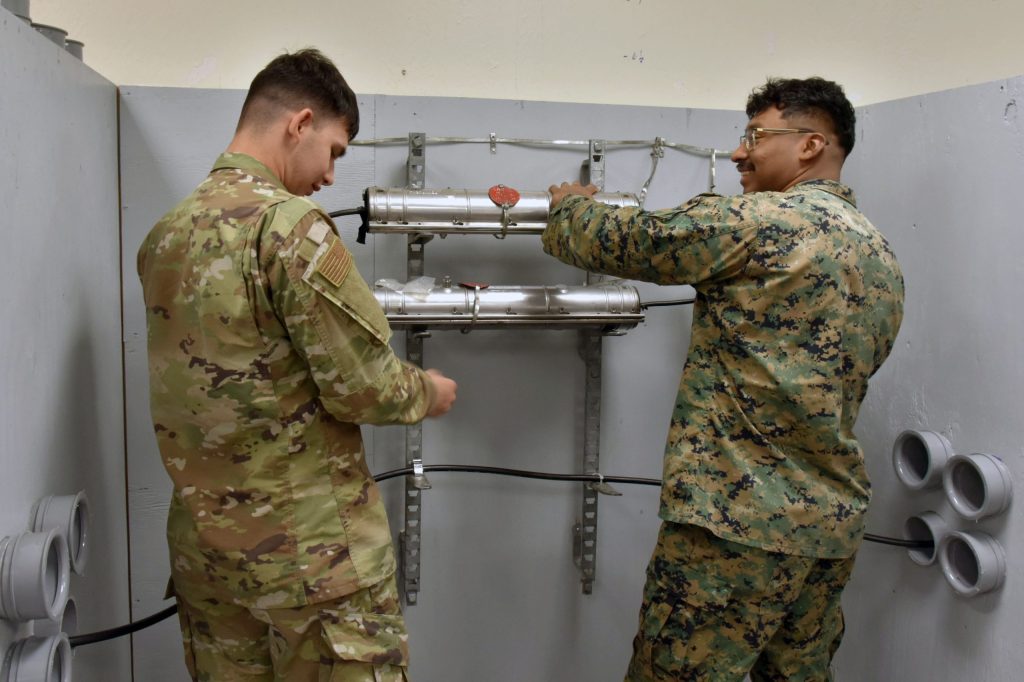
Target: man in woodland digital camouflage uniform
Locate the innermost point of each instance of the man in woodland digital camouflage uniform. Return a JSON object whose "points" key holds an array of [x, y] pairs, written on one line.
{"points": [[266, 351], [799, 299]]}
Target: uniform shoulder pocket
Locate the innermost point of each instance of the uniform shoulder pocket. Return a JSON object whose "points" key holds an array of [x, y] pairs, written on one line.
{"points": [[333, 275]]}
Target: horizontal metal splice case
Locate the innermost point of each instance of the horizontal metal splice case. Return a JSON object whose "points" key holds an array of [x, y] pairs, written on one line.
{"points": [[611, 308], [464, 211]]}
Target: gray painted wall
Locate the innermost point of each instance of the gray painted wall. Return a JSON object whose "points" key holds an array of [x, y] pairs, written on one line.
{"points": [[61, 411], [940, 175], [500, 598]]}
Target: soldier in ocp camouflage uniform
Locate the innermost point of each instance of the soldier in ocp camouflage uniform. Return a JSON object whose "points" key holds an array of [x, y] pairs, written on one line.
{"points": [[266, 352], [765, 490]]}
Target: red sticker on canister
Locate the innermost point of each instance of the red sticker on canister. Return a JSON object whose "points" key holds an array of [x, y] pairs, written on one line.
{"points": [[503, 196]]}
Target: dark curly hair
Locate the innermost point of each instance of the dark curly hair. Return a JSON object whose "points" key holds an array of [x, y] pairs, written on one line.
{"points": [[809, 96], [301, 79]]}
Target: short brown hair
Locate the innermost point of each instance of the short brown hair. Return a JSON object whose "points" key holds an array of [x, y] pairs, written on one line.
{"points": [[301, 79]]}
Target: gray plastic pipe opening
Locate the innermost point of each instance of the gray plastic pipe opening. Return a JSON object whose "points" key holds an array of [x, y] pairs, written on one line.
{"points": [[75, 47], [20, 8], [35, 575], [978, 485], [54, 34], [69, 515], [973, 563], [925, 527], [919, 458], [66, 623], [38, 660]]}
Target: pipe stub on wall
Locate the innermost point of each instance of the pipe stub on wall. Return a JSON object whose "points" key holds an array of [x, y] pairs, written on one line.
{"points": [[977, 485], [69, 515], [919, 458], [925, 527], [75, 47], [54, 34], [67, 623], [973, 563], [38, 660], [20, 8], [35, 576]]}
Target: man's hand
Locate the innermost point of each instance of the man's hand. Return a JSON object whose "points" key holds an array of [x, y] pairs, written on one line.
{"points": [[559, 192], [444, 393]]}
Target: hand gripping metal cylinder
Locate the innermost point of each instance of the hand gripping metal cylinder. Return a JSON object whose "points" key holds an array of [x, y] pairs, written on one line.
{"points": [[611, 308], [464, 211]]}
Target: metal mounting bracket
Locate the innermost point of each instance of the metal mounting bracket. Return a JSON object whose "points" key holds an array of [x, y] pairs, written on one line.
{"points": [[592, 170], [416, 165]]}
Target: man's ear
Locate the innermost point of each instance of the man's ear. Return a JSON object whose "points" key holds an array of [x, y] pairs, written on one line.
{"points": [[299, 122], [813, 146]]}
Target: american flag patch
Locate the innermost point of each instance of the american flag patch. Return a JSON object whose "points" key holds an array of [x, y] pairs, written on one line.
{"points": [[335, 264]]}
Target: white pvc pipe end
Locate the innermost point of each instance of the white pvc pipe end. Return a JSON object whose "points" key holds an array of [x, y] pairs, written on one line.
{"points": [[38, 660], [925, 527], [919, 458], [69, 514], [35, 576], [978, 485], [973, 563], [67, 623]]}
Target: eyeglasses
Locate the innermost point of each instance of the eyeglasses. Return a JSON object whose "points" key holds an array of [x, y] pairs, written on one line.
{"points": [[749, 138]]}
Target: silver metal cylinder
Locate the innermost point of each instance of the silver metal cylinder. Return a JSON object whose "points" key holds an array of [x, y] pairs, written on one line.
{"points": [[611, 308], [463, 211]]}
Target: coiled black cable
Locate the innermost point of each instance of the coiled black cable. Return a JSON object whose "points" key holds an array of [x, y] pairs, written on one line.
{"points": [[120, 631]]}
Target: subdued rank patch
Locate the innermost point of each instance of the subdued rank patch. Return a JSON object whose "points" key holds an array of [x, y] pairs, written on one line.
{"points": [[335, 264]]}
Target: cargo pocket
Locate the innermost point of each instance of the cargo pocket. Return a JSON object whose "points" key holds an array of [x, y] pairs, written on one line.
{"points": [[372, 638], [677, 628]]}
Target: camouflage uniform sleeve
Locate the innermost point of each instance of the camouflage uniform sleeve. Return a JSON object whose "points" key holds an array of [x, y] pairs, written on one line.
{"points": [[708, 238], [336, 325]]}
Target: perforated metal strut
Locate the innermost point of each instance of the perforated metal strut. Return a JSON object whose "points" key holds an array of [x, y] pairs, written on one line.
{"points": [[586, 540], [411, 535]]}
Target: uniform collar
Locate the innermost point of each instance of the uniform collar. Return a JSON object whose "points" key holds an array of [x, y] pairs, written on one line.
{"points": [[830, 186], [244, 162]]}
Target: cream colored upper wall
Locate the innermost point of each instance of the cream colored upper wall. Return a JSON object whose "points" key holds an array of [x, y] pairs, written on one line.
{"points": [[649, 52]]}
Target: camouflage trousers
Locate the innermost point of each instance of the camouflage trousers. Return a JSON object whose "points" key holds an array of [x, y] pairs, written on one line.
{"points": [[716, 610], [358, 638]]}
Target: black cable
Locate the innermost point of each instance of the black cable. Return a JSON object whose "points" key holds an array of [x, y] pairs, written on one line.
{"points": [[657, 304], [103, 635], [358, 210], [598, 478], [520, 473], [896, 542]]}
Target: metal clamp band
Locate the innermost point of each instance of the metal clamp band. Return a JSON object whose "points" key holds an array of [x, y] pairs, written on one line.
{"points": [[476, 310]]}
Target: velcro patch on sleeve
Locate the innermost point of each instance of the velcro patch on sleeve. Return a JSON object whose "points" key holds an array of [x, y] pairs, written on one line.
{"points": [[335, 263], [318, 231]]}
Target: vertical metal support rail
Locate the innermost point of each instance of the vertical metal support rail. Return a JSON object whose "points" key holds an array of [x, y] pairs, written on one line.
{"points": [[585, 529], [585, 553], [415, 484]]}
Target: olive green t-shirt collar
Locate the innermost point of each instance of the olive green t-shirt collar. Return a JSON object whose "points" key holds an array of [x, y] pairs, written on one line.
{"points": [[250, 165]]}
